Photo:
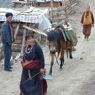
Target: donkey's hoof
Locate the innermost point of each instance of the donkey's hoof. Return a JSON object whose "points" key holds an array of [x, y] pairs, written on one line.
{"points": [[50, 73], [71, 57], [61, 68]]}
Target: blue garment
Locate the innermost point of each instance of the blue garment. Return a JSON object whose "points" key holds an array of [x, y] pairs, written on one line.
{"points": [[7, 56], [36, 82], [29, 56], [57, 35], [59, 31], [53, 36], [35, 53], [6, 33], [7, 43]]}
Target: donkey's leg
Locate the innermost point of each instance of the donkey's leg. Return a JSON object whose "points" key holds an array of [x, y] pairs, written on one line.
{"points": [[58, 47], [70, 53], [62, 54], [61, 63], [51, 65], [62, 59], [50, 71]]}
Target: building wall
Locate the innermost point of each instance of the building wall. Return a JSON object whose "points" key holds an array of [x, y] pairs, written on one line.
{"points": [[39, 4], [47, 4]]}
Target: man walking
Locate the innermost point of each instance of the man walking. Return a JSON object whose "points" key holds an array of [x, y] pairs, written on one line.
{"points": [[88, 21], [7, 39]]}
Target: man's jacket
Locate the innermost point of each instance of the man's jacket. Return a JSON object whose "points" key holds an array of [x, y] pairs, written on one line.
{"points": [[6, 33]]}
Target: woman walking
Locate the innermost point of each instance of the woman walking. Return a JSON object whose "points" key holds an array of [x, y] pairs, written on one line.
{"points": [[32, 82], [88, 21]]}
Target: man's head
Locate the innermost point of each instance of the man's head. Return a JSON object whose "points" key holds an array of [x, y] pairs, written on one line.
{"points": [[9, 16], [88, 8]]}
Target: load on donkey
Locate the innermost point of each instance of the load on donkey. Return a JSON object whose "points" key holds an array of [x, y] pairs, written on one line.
{"points": [[61, 38]]}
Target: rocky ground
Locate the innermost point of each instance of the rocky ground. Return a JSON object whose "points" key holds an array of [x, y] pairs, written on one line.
{"points": [[78, 74]]}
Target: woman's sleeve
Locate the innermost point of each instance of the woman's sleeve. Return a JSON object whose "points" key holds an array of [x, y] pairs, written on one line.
{"points": [[92, 18], [82, 18], [40, 55]]}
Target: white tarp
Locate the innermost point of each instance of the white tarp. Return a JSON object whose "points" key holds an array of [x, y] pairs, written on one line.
{"points": [[41, 11], [44, 23], [3, 11], [32, 15], [17, 16]]}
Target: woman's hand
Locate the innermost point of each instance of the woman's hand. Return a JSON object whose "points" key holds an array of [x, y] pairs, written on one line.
{"points": [[43, 71]]}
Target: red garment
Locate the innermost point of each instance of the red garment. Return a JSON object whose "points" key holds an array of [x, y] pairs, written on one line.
{"points": [[34, 64], [44, 86]]}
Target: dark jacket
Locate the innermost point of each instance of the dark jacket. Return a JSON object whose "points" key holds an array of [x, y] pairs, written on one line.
{"points": [[53, 36], [35, 53], [34, 86], [6, 33]]}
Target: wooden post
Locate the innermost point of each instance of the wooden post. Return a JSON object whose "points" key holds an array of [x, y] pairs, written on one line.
{"points": [[35, 30], [17, 28], [23, 42]]}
